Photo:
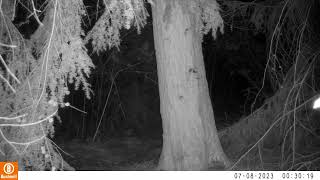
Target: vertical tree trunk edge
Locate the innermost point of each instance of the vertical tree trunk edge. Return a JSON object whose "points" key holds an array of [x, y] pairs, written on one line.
{"points": [[190, 138]]}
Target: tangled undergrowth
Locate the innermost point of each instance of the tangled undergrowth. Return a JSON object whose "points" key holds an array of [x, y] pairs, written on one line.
{"points": [[284, 126]]}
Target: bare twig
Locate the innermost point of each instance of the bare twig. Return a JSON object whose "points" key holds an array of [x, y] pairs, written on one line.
{"points": [[276, 30], [29, 124], [7, 45], [68, 105], [13, 118], [7, 82], [35, 13], [110, 90], [8, 70], [268, 130]]}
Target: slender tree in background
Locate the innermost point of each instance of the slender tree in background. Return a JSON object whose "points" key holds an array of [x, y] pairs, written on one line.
{"points": [[190, 139]]}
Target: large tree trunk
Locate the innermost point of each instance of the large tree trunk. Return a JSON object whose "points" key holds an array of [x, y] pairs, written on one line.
{"points": [[190, 140]]}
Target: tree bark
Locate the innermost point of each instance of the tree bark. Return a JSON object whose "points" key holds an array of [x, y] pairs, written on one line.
{"points": [[190, 140]]}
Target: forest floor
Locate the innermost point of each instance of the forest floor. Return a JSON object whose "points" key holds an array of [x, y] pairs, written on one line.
{"points": [[127, 153], [130, 153]]}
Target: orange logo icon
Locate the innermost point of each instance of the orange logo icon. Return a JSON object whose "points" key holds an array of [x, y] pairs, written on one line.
{"points": [[8, 170]]}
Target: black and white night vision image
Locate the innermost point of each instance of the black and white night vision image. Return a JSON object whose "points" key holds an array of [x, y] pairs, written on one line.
{"points": [[174, 85]]}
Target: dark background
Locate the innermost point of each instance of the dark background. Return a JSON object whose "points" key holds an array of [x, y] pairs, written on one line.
{"points": [[234, 62]]}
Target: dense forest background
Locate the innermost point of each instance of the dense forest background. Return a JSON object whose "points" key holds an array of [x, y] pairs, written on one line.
{"points": [[234, 63], [262, 72]]}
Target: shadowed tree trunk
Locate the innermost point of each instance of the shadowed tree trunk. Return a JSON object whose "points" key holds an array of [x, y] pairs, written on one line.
{"points": [[190, 140]]}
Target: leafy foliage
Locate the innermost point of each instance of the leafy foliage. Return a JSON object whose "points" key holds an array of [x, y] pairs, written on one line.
{"points": [[207, 13], [118, 14], [36, 72], [54, 57], [211, 18]]}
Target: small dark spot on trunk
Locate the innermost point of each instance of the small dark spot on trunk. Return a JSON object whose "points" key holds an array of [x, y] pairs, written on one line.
{"points": [[193, 70]]}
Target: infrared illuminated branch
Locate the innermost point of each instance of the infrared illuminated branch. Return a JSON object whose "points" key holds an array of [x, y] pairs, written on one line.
{"points": [[277, 120], [44, 71], [12, 143], [14, 10], [9, 35], [13, 118], [8, 70], [8, 45], [7, 82], [105, 105], [271, 55], [29, 124], [35, 14]]}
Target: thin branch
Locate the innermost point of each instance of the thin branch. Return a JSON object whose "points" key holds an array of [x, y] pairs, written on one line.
{"points": [[276, 29], [13, 118], [69, 105], [12, 143], [46, 60], [7, 82], [35, 13], [269, 129], [60, 148], [105, 105], [29, 124], [8, 70], [7, 45], [14, 10]]}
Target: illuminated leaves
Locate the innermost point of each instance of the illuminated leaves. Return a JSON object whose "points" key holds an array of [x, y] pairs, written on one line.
{"points": [[117, 14]]}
